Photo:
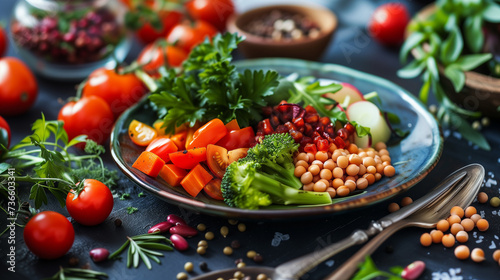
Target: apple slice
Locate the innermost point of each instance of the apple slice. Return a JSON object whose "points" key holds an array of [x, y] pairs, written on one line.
{"points": [[346, 96], [367, 114]]}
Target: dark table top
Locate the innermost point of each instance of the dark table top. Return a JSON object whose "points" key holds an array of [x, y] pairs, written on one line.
{"points": [[351, 47]]}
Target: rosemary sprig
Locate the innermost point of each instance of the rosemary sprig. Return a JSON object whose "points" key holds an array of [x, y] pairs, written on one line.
{"points": [[77, 274], [142, 247]]}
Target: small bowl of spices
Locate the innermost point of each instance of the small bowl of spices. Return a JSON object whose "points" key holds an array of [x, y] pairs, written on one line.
{"points": [[284, 31]]}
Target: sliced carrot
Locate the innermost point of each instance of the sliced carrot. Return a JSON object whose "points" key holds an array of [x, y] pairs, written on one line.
{"points": [[196, 179], [209, 133], [232, 125], [149, 163], [180, 139], [191, 133], [172, 174], [188, 159]]}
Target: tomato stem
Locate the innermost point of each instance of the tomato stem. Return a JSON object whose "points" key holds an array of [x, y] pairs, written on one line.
{"points": [[146, 79]]}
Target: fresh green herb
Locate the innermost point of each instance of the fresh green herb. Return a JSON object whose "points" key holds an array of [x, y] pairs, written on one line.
{"points": [[211, 87], [132, 210], [368, 270], [451, 38], [141, 247], [141, 194], [124, 196], [77, 274], [54, 167]]}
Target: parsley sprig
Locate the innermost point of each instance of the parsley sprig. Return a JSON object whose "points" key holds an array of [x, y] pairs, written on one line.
{"points": [[77, 274], [45, 159], [142, 247], [451, 38], [368, 270]]}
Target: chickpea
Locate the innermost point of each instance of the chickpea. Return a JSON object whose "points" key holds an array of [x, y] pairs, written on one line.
{"points": [[306, 178], [337, 182], [469, 211], [321, 156], [327, 182], [475, 218], [332, 148], [318, 163], [455, 228], [385, 158], [338, 172], [352, 148], [482, 225], [350, 184], [378, 176], [319, 186], [462, 236], [370, 178], [482, 197], [342, 161], [335, 155], [448, 240], [362, 170], [326, 174], [332, 192], [393, 207], [457, 210], [362, 183], [443, 225], [343, 191], [468, 224], [368, 161], [389, 171], [462, 252], [311, 157], [302, 156], [352, 169], [299, 170], [303, 163], [380, 167], [496, 255], [380, 145], [406, 201], [477, 255], [453, 219], [371, 169], [426, 239], [437, 236], [314, 169], [309, 187], [329, 164], [355, 159]]}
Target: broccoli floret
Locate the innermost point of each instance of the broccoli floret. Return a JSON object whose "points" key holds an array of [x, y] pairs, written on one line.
{"points": [[244, 186], [275, 156]]}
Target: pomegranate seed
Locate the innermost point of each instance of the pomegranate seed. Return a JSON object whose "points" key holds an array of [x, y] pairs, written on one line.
{"points": [[299, 122], [323, 145], [275, 121], [308, 129], [310, 148], [281, 129], [342, 133], [325, 120], [350, 128], [311, 110], [296, 135], [290, 126], [339, 142], [311, 118]]}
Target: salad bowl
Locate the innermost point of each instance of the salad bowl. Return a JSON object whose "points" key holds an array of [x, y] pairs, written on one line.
{"points": [[413, 156]]}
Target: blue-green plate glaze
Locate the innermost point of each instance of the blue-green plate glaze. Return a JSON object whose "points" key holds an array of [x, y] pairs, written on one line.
{"points": [[413, 157]]}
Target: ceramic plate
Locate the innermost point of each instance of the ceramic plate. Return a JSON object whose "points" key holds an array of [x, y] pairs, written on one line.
{"points": [[413, 156]]}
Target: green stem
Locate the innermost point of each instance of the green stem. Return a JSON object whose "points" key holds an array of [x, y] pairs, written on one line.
{"points": [[116, 253], [147, 80], [36, 180]]}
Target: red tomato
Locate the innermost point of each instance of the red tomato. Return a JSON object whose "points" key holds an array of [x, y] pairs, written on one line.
{"points": [[241, 138], [119, 91], [90, 115], [209, 133], [18, 87], [188, 35], [92, 205], [49, 235], [148, 34], [4, 43], [388, 23], [153, 57], [218, 158], [212, 189], [188, 159], [162, 147], [141, 133], [4, 133], [216, 12]]}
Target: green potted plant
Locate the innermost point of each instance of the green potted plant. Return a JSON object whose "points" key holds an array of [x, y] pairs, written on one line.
{"points": [[453, 45]]}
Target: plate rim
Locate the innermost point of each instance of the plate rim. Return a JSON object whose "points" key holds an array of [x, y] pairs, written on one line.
{"points": [[218, 210]]}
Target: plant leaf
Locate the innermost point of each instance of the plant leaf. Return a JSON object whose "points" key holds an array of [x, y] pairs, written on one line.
{"points": [[456, 76], [432, 67], [413, 40], [424, 90], [492, 12], [473, 33], [412, 70], [452, 47], [468, 132], [471, 61]]}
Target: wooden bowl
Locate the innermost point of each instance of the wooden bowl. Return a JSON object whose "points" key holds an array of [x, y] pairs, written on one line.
{"points": [[255, 46]]}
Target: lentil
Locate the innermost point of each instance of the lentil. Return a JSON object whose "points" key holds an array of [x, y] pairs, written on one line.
{"points": [[467, 224], [448, 240], [262, 277], [232, 222], [477, 255], [201, 250], [426, 239], [462, 252], [235, 244], [251, 254], [482, 225], [443, 225], [482, 197], [238, 275], [188, 266], [393, 207], [469, 211], [462, 236], [437, 236], [240, 265], [457, 210], [406, 201], [227, 250], [496, 255]]}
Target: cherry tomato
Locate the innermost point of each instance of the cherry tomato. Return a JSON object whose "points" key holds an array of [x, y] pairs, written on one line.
{"points": [[218, 158], [4, 43], [92, 205], [119, 91], [212, 189], [216, 12], [241, 138], [189, 35], [232, 125], [140, 133], [180, 138], [49, 235], [188, 159], [148, 34], [90, 115], [4, 133], [388, 23], [18, 87], [153, 57], [209, 133], [162, 147]]}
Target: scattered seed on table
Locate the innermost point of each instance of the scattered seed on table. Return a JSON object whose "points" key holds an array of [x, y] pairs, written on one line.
{"points": [[426, 239], [406, 201], [469, 211], [203, 243], [462, 236], [258, 258], [235, 244], [453, 219], [468, 224], [482, 197], [482, 224], [495, 201], [496, 255], [251, 254], [462, 252], [443, 225], [262, 277], [227, 250], [393, 207], [448, 240], [437, 236], [240, 265], [201, 250], [182, 276], [209, 235], [118, 223], [224, 231], [457, 210], [455, 228], [188, 266], [73, 261], [203, 266], [475, 218], [477, 255], [232, 222], [242, 227], [201, 227], [238, 275]]}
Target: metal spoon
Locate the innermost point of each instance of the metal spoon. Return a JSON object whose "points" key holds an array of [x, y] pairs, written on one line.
{"points": [[427, 217], [467, 178]]}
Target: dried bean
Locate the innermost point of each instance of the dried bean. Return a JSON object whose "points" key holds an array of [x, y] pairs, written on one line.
{"points": [[179, 242], [99, 254], [160, 227]]}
